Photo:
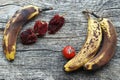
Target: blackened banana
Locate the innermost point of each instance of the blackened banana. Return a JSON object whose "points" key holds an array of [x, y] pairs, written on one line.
{"points": [[107, 50], [13, 27]]}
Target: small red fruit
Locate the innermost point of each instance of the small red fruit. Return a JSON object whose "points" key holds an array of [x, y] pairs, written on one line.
{"points": [[55, 24], [28, 37], [68, 52], [40, 28]]}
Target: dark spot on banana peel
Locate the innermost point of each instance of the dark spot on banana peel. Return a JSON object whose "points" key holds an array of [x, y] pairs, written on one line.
{"points": [[86, 43], [92, 45], [95, 34], [90, 55], [84, 51], [96, 39], [84, 47], [95, 21], [87, 47], [26, 12], [98, 27], [98, 33], [91, 41], [23, 15]]}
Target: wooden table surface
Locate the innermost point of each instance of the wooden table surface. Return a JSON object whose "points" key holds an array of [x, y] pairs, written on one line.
{"points": [[43, 60]]}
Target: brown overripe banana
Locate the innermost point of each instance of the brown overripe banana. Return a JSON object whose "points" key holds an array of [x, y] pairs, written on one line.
{"points": [[90, 47], [108, 46], [14, 26]]}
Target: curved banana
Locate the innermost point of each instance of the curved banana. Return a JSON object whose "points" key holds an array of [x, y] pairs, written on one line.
{"points": [[14, 26], [108, 45], [90, 47]]}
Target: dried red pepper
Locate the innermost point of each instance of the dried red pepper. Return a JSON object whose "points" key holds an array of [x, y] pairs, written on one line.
{"points": [[55, 24], [40, 28], [28, 37]]}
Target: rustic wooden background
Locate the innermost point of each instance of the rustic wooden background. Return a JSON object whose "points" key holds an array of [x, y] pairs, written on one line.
{"points": [[43, 60]]}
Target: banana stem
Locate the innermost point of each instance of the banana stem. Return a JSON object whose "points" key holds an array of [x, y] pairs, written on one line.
{"points": [[46, 9], [92, 13], [86, 13]]}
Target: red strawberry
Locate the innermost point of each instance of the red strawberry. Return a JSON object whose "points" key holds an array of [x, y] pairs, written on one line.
{"points": [[55, 24], [40, 28], [28, 37]]}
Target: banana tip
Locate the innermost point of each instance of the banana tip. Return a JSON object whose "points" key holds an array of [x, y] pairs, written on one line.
{"points": [[66, 69], [11, 60], [10, 57], [88, 67]]}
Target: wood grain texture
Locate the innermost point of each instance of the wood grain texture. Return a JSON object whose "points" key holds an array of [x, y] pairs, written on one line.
{"points": [[43, 60]]}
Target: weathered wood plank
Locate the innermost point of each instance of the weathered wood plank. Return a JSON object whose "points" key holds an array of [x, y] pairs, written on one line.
{"points": [[43, 60]]}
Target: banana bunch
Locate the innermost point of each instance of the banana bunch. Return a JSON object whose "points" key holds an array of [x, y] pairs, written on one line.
{"points": [[101, 32], [13, 27], [90, 47]]}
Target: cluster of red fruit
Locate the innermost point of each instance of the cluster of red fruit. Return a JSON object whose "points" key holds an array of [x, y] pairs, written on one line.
{"points": [[40, 28]]}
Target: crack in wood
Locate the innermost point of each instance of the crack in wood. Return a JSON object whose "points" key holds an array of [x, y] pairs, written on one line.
{"points": [[112, 8], [61, 37], [1, 29], [8, 5], [2, 22], [38, 50]]}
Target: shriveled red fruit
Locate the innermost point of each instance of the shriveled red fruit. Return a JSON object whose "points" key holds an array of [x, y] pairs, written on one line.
{"points": [[40, 28], [55, 24], [68, 52], [28, 37]]}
